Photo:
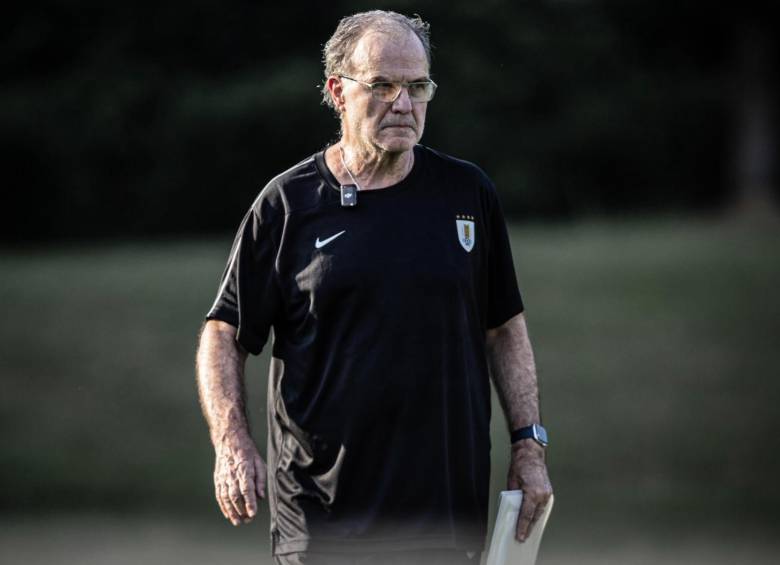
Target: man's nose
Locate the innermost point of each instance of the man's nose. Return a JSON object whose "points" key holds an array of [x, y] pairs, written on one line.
{"points": [[402, 103]]}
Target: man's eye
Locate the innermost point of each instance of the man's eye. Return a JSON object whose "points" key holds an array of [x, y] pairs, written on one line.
{"points": [[417, 88], [382, 87]]}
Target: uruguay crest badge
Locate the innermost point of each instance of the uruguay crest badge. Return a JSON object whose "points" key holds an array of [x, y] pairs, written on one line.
{"points": [[466, 232]]}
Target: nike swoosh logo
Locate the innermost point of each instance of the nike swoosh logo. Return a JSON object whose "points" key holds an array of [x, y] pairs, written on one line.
{"points": [[325, 242]]}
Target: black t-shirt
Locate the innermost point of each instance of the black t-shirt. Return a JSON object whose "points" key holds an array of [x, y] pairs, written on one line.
{"points": [[378, 393]]}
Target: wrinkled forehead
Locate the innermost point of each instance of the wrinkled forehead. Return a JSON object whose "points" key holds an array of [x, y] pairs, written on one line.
{"points": [[394, 54]]}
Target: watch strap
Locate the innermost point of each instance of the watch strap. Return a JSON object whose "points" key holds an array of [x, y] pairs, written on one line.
{"points": [[534, 431]]}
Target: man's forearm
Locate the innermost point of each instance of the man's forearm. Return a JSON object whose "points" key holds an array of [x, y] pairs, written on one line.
{"points": [[239, 471], [513, 370], [220, 374]]}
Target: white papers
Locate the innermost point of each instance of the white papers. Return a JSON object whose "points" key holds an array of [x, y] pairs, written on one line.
{"points": [[504, 548]]}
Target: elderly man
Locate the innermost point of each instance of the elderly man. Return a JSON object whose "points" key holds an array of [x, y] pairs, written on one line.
{"points": [[385, 271]]}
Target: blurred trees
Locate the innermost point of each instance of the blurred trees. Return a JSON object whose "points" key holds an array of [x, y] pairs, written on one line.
{"points": [[139, 118]]}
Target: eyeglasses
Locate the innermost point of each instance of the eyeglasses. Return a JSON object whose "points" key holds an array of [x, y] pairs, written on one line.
{"points": [[421, 91]]}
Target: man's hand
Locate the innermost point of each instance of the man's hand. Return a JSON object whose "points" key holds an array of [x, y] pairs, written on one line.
{"points": [[239, 478], [528, 472], [239, 471]]}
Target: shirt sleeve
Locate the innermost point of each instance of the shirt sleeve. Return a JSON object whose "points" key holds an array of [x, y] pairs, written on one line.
{"points": [[504, 300], [249, 295]]}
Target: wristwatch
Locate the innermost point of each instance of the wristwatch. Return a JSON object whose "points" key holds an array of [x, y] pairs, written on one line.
{"points": [[534, 431]]}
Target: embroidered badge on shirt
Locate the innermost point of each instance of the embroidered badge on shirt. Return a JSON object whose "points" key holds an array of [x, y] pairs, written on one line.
{"points": [[466, 231]]}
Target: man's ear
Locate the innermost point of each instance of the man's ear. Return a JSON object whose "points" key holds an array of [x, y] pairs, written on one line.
{"points": [[336, 89]]}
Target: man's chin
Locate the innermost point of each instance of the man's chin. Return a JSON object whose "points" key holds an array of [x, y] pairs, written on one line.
{"points": [[398, 143]]}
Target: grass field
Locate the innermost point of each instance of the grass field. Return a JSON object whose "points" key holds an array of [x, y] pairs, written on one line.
{"points": [[657, 347], [119, 540]]}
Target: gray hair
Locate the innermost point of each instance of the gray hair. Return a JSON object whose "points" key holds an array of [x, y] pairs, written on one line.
{"points": [[337, 53]]}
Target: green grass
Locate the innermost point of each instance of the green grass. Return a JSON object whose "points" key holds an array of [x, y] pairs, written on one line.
{"points": [[656, 342]]}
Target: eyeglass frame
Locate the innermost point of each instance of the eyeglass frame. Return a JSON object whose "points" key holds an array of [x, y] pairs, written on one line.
{"points": [[372, 85]]}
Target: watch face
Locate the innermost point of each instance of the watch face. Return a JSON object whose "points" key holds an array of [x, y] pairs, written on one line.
{"points": [[540, 434]]}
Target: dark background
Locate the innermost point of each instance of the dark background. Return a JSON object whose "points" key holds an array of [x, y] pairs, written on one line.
{"points": [[143, 118], [633, 145]]}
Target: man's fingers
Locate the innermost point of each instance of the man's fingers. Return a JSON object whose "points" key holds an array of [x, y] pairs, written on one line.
{"points": [[226, 506], [218, 492], [250, 502], [534, 504], [527, 510], [246, 484], [539, 511], [237, 473], [528, 472], [233, 515], [236, 500]]}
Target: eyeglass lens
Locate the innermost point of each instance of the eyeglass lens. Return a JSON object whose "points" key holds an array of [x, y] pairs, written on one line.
{"points": [[389, 91]]}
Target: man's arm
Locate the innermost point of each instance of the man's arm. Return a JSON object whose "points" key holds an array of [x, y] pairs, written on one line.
{"points": [[513, 370], [239, 471]]}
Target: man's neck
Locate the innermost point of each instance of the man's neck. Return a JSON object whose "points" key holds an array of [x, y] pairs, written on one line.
{"points": [[371, 169]]}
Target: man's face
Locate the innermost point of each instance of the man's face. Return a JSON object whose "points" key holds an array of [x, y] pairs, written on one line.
{"points": [[394, 127]]}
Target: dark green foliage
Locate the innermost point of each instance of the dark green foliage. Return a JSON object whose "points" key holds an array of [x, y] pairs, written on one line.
{"points": [[168, 117]]}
